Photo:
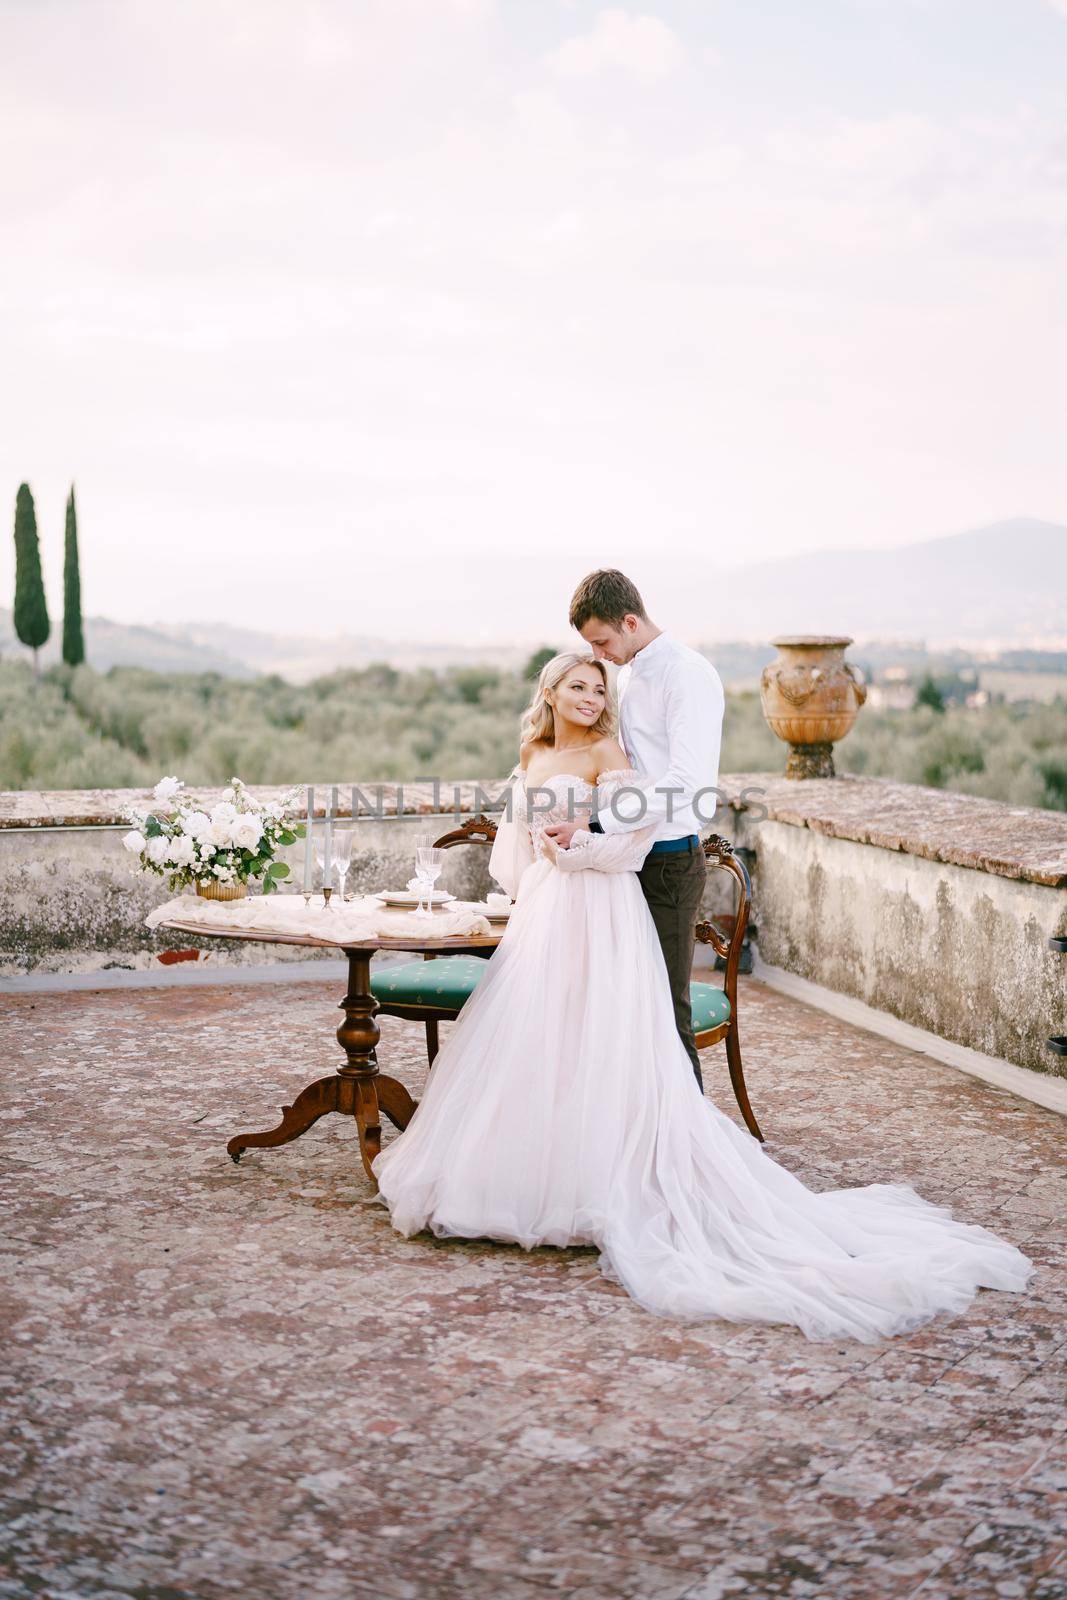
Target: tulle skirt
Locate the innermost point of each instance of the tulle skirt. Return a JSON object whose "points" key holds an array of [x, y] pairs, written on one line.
{"points": [[562, 1110]]}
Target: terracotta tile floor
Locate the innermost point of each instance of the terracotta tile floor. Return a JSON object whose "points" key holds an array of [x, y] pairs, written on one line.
{"points": [[228, 1381]]}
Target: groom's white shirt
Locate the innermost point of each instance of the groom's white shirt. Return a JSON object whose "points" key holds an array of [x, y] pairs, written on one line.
{"points": [[670, 722]]}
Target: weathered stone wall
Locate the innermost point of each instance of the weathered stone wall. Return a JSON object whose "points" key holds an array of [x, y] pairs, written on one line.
{"points": [[936, 908], [961, 953], [71, 900]]}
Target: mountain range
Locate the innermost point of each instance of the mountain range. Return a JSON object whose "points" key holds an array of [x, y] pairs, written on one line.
{"points": [[1006, 582]]}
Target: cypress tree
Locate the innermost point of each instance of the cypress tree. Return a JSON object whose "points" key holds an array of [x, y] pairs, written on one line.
{"points": [[31, 612], [73, 642]]}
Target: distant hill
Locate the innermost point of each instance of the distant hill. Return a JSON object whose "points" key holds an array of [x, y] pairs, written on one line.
{"points": [[246, 653], [300, 657], [1007, 581], [116, 644]]}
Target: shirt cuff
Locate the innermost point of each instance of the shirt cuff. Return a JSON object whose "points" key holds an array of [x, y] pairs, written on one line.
{"points": [[594, 825]]}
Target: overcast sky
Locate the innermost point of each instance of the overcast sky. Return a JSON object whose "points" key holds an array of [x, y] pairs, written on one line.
{"points": [[398, 317]]}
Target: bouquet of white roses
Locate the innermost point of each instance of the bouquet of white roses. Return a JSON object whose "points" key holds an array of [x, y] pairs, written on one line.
{"points": [[232, 844]]}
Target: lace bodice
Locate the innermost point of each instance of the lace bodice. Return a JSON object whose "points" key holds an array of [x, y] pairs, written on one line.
{"points": [[564, 797], [573, 803]]}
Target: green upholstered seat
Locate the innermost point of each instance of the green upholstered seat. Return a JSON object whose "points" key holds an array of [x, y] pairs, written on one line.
{"points": [[710, 1007], [444, 983], [447, 983]]}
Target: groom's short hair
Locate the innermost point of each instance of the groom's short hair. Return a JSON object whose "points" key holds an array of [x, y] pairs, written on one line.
{"points": [[608, 595]]}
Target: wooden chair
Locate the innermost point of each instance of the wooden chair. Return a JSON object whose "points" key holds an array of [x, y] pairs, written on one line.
{"points": [[437, 993], [408, 990], [715, 1009]]}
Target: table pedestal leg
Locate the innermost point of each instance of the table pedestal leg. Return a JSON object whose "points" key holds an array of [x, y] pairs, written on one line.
{"points": [[358, 1037], [310, 1104], [357, 1088]]}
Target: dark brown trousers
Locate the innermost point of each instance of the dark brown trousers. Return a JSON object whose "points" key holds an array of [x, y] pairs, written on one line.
{"points": [[673, 885]]}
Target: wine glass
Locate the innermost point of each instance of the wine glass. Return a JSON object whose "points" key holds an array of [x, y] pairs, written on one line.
{"points": [[342, 855], [429, 864], [423, 841]]}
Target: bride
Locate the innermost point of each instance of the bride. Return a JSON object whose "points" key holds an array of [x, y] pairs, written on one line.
{"points": [[562, 1108]]}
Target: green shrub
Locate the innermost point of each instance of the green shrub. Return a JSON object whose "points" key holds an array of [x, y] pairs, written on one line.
{"points": [[77, 728]]}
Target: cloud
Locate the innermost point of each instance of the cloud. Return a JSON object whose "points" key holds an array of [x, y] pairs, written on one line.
{"points": [[640, 47]]}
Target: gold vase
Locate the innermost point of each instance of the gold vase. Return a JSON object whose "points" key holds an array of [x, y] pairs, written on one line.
{"points": [[810, 698], [212, 889]]}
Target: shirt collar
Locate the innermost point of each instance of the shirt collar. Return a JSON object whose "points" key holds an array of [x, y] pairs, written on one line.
{"points": [[648, 653]]}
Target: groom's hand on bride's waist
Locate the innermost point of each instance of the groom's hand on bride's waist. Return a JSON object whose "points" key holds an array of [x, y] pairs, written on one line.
{"points": [[562, 833]]}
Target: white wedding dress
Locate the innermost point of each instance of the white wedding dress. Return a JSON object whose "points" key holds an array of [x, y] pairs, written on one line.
{"points": [[562, 1109]]}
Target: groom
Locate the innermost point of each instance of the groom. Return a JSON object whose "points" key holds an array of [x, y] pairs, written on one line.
{"points": [[670, 724]]}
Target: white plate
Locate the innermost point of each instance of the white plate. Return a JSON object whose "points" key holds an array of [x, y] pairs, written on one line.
{"points": [[497, 916], [408, 897]]}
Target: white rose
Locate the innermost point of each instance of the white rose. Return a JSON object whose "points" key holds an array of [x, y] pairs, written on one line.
{"points": [[182, 851], [158, 849], [134, 842], [247, 832], [196, 824], [205, 850], [167, 788], [220, 832], [224, 812]]}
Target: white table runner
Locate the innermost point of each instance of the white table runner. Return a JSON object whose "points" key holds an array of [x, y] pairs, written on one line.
{"points": [[361, 918]]}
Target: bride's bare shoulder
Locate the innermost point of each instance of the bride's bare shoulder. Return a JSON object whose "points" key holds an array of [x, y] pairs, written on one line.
{"points": [[609, 756], [526, 750]]}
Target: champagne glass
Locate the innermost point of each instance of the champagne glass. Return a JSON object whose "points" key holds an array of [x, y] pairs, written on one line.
{"points": [[429, 864], [342, 855]]}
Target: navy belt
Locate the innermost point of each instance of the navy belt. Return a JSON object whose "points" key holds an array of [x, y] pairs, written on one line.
{"points": [[664, 847]]}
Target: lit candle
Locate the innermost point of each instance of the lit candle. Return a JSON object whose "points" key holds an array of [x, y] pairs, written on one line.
{"points": [[309, 881], [327, 842]]}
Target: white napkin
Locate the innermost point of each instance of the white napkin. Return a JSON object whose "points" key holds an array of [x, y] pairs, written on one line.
{"points": [[362, 918]]}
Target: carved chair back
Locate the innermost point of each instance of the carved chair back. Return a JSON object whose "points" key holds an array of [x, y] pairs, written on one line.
{"points": [[476, 830], [719, 852]]}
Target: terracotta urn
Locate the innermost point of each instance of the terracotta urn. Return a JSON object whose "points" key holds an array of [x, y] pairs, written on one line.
{"points": [[810, 697]]}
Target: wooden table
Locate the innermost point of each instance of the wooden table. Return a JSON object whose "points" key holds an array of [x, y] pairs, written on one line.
{"points": [[357, 1089]]}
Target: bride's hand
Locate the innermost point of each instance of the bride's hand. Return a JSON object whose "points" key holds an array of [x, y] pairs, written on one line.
{"points": [[549, 846]]}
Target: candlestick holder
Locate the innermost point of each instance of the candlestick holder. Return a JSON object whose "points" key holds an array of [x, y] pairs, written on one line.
{"points": [[327, 891]]}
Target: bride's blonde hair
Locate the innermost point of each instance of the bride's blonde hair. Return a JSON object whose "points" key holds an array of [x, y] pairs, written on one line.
{"points": [[539, 719]]}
